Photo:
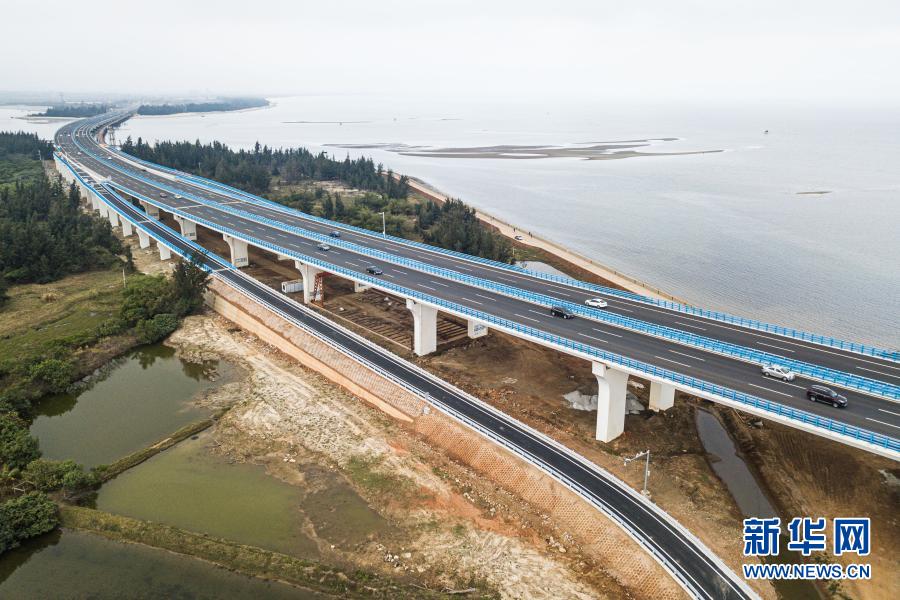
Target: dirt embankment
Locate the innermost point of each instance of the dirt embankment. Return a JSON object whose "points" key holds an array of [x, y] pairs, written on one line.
{"points": [[447, 526]]}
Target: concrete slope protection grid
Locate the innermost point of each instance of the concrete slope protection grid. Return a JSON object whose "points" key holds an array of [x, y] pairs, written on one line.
{"points": [[747, 392], [693, 565]]}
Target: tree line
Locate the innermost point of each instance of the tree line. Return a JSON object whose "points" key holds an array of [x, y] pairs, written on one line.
{"points": [[74, 111], [223, 104], [254, 170], [452, 225]]}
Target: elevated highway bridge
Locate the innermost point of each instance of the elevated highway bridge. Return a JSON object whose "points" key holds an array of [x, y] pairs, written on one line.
{"points": [[708, 354]]}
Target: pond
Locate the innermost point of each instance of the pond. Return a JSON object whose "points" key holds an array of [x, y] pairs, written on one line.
{"points": [[190, 487], [73, 564], [134, 402]]}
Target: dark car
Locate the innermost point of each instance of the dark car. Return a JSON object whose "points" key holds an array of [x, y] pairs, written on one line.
{"points": [[335, 234], [562, 313], [820, 393], [374, 270]]}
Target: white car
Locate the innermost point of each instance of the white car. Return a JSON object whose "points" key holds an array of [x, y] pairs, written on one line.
{"points": [[778, 372], [596, 303]]}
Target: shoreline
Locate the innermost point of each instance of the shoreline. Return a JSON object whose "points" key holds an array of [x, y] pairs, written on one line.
{"points": [[626, 282]]}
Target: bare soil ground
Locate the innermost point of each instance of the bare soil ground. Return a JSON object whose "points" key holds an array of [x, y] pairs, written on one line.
{"points": [[448, 527]]}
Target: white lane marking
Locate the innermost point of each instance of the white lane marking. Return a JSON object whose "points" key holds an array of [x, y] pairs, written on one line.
{"points": [[783, 382], [883, 423], [623, 309], [464, 268], [389, 275], [563, 294], [472, 301], [537, 312], [874, 371], [604, 332], [524, 317], [401, 272], [351, 263], [691, 326], [674, 361], [776, 347], [593, 338], [889, 412], [486, 297], [427, 287], [770, 390], [688, 355], [439, 283]]}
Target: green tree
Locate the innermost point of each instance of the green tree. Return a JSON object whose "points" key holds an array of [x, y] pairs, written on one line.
{"points": [[52, 475], [189, 283], [17, 446], [158, 327], [24, 517], [54, 373], [146, 296]]}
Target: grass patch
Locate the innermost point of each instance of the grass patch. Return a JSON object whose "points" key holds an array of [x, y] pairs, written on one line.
{"points": [[37, 318], [364, 472]]}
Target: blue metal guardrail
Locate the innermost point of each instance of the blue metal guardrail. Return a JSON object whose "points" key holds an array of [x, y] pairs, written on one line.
{"points": [[140, 224], [602, 355], [690, 339], [670, 305]]}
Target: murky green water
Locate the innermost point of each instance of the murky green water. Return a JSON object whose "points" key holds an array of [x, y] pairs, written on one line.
{"points": [[73, 564], [189, 487], [143, 397]]}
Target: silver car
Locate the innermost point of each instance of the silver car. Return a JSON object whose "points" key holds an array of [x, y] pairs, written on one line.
{"points": [[778, 372], [596, 303]]}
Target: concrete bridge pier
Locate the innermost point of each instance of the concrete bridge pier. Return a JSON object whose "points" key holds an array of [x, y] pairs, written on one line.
{"points": [[662, 396], [113, 217], [611, 388], [477, 329], [239, 256], [360, 287], [127, 228], [143, 238], [283, 257], [164, 252], [188, 228], [308, 273], [424, 327], [152, 211]]}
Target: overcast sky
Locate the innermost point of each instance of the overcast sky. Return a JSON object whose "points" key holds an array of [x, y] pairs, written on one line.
{"points": [[797, 50]]}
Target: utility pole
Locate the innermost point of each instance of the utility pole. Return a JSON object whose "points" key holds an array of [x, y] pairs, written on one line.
{"points": [[645, 453], [383, 225]]}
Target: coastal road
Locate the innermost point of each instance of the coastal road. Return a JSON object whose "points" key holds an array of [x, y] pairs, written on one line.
{"points": [[693, 565], [870, 413]]}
